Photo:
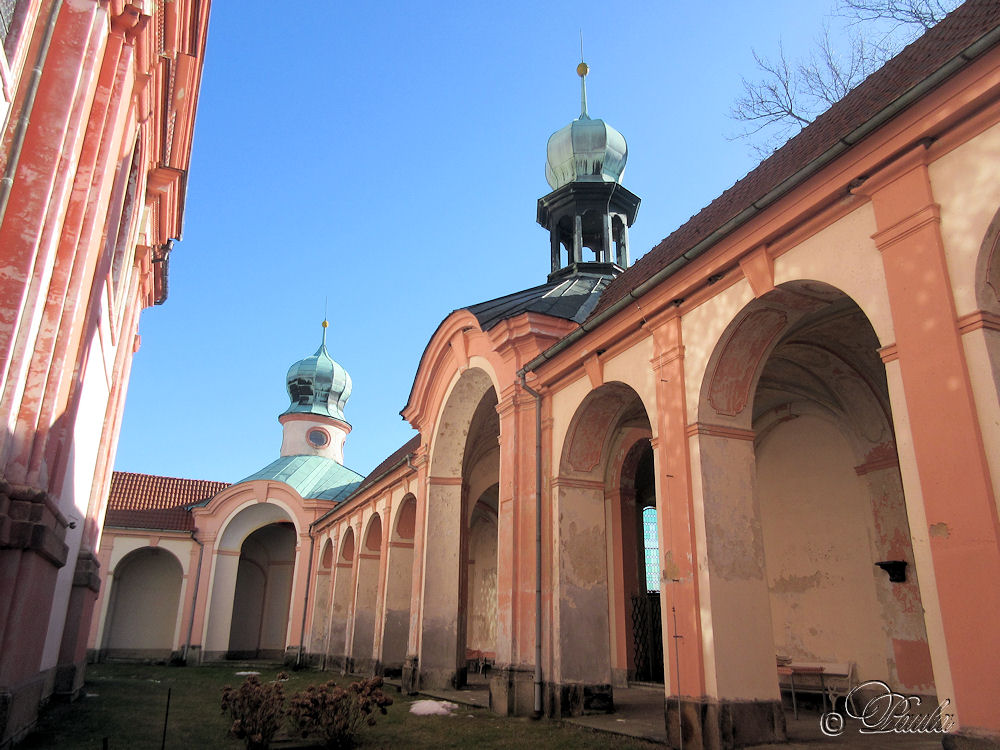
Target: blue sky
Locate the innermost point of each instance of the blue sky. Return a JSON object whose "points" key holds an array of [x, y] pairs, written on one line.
{"points": [[388, 158]]}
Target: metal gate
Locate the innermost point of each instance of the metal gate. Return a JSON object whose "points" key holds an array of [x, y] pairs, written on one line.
{"points": [[647, 635]]}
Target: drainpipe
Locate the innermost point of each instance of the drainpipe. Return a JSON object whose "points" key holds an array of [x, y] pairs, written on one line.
{"points": [[538, 544], [17, 143], [194, 597], [305, 601]]}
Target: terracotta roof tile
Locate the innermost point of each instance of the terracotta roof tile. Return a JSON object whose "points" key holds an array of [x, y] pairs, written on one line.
{"points": [[394, 458], [147, 501], [964, 26]]}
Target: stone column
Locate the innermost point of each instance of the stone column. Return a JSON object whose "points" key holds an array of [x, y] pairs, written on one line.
{"points": [[577, 239]]}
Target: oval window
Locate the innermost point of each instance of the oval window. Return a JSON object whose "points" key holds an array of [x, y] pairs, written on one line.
{"points": [[318, 438]]}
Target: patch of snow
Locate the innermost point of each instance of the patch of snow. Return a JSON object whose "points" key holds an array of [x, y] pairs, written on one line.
{"points": [[246, 674], [432, 708]]}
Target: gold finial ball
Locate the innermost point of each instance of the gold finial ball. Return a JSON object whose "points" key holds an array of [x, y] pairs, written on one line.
{"points": [[582, 69], [325, 324]]}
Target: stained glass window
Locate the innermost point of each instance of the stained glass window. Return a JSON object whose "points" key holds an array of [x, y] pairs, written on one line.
{"points": [[651, 547]]}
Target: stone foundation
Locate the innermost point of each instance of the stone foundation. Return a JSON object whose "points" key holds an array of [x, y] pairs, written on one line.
{"points": [[19, 707], [961, 740], [410, 680], [573, 699], [721, 725], [512, 691]]}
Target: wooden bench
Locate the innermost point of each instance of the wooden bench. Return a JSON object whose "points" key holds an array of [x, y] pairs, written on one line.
{"points": [[830, 680]]}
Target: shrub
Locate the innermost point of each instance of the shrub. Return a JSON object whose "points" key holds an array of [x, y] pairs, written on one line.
{"points": [[257, 710], [333, 714]]}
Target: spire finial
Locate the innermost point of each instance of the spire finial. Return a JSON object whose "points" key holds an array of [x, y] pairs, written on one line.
{"points": [[581, 70], [326, 323]]}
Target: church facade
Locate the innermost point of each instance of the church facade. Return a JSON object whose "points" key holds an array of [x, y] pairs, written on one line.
{"points": [[773, 439]]}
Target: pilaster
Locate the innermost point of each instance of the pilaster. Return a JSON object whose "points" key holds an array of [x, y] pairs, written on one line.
{"points": [[683, 662], [946, 436]]}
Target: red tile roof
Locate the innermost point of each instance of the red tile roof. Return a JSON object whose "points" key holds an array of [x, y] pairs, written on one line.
{"points": [[147, 501], [396, 457], [960, 29]]}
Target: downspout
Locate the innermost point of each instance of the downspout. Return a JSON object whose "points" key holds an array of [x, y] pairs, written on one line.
{"points": [[305, 601], [538, 544], [194, 597], [21, 130]]}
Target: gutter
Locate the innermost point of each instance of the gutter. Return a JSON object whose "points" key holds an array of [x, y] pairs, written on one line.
{"points": [[24, 118], [194, 597], [903, 101], [538, 544]]}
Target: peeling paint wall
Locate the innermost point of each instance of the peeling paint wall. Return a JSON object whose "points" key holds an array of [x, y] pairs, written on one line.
{"points": [[819, 537], [583, 596]]}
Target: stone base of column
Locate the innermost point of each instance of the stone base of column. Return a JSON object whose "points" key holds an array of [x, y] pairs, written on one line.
{"points": [[574, 699], [69, 681], [410, 679], [721, 725], [961, 740], [366, 666], [512, 690], [448, 679], [19, 707]]}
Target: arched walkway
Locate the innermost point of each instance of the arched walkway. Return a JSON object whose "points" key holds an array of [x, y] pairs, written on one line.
{"points": [[802, 497], [605, 478], [465, 464], [369, 559], [398, 587], [253, 568], [321, 606], [263, 593], [144, 611], [343, 589]]}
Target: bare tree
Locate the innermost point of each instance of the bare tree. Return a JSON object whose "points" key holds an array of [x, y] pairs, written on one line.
{"points": [[786, 96], [924, 13]]}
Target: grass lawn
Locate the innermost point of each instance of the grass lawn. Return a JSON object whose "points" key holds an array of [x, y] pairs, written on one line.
{"points": [[126, 704]]}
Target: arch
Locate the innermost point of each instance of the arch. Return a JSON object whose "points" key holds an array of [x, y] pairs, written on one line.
{"points": [[262, 593], [321, 597], [982, 345], [343, 588], [250, 516], [598, 582], [242, 523], [464, 461], [144, 606], [366, 597], [988, 269], [745, 345], [799, 444], [481, 573], [398, 587], [406, 516]]}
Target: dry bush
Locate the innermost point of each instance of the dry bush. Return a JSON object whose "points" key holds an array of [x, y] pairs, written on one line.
{"points": [[333, 714], [257, 710]]}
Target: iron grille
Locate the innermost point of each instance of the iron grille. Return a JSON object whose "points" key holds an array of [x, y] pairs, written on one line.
{"points": [[647, 637]]}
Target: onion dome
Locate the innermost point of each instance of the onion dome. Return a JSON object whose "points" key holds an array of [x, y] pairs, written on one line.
{"points": [[586, 150], [318, 385]]}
